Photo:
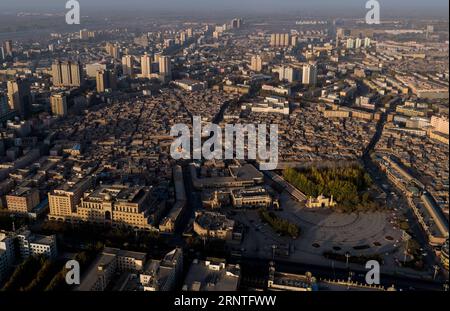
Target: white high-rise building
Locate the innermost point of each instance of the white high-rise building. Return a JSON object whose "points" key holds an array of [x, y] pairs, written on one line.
{"points": [[287, 73], [67, 74], [367, 42], [127, 65], [19, 96], [294, 41], [165, 68], [280, 40], [146, 66], [112, 50], [58, 104], [183, 37], [350, 43], [256, 63], [358, 43], [106, 81], [309, 74], [2, 53], [84, 34]]}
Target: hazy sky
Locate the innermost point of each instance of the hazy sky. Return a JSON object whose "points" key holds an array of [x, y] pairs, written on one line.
{"points": [[236, 5]]}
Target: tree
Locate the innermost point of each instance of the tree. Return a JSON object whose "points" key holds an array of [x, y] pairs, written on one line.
{"points": [[280, 225], [24, 274], [349, 186], [43, 276]]}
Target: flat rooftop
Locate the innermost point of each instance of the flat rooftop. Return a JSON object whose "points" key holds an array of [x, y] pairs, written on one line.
{"points": [[21, 191], [117, 193], [124, 253], [214, 221], [209, 277]]}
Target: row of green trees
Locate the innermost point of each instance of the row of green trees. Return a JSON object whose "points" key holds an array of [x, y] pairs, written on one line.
{"points": [[38, 273], [280, 225], [113, 237], [44, 275], [348, 185], [84, 258], [24, 274]]}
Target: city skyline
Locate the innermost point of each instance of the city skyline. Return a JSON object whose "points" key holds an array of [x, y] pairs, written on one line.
{"points": [[252, 7], [239, 146]]}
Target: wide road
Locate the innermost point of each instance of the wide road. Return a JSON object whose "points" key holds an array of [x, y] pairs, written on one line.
{"points": [[254, 268]]}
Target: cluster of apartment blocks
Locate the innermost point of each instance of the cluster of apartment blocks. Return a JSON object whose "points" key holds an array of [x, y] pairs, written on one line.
{"points": [[26, 244], [205, 104], [271, 104], [304, 134], [428, 213], [426, 155], [419, 119], [344, 112], [307, 73], [416, 71], [149, 148], [293, 144], [141, 274], [70, 74], [24, 181], [212, 274], [406, 84]]}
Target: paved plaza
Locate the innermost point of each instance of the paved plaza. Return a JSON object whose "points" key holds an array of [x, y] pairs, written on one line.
{"points": [[324, 230]]}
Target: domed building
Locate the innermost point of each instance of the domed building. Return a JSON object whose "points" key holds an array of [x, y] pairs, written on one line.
{"points": [[116, 205], [320, 202]]}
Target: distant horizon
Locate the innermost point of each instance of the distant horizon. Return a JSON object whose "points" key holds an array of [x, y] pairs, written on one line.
{"points": [[391, 8]]}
